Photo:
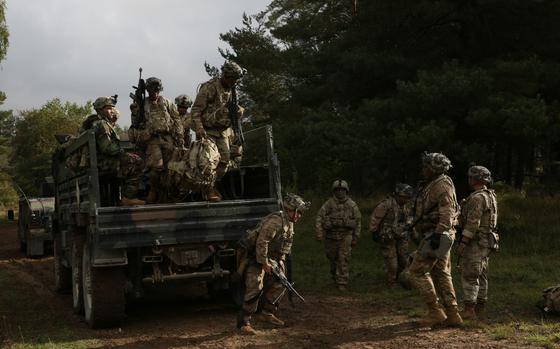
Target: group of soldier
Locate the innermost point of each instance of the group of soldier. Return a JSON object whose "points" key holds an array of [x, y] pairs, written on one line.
{"points": [[431, 215], [166, 127], [431, 212]]}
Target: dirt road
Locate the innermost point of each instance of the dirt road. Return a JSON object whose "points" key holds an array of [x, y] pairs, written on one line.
{"points": [[196, 322]]}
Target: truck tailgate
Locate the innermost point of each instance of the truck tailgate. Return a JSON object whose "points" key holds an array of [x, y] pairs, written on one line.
{"points": [[182, 223]]}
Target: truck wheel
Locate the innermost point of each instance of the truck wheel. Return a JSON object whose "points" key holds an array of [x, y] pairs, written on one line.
{"points": [[76, 258], [104, 298], [62, 274]]}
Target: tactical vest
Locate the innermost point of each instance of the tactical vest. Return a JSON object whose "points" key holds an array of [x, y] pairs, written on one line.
{"points": [[158, 119], [487, 234], [395, 218], [430, 215], [105, 162], [280, 244], [216, 114]]}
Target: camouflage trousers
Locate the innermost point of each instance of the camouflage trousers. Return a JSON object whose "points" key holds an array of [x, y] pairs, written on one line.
{"points": [[263, 287], [395, 254], [158, 154], [432, 277], [338, 252], [474, 272], [130, 167], [222, 143]]}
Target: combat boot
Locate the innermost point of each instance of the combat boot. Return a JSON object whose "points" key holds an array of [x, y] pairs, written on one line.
{"points": [[247, 330], [453, 317], [131, 202], [468, 312], [435, 316], [269, 317], [212, 194], [480, 308], [152, 197]]}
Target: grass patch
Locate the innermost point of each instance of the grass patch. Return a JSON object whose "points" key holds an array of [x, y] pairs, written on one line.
{"points": [[526, 264], [26, 322]]}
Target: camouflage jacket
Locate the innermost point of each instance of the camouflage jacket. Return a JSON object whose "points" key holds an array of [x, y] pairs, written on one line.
{"points": [[162, 118], [108, 145], [275, 238], [437, 205], [210, 108], [389, 218], [336, 219], [479, 213]]}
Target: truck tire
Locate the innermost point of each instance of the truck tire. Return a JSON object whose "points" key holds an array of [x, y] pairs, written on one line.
{"points": [[104, 296], [62, 274], [76, 259]]}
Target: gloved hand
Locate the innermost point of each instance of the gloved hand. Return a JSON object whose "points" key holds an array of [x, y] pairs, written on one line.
{"points": [[460, 250], [201, 133], [434, 241]]}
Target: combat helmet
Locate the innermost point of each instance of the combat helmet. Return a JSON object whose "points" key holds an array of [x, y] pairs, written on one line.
{"points": [[183, 101], [403, 189], [296, 202], [340, 183], [437, 162], [232, 70], [102, 102], [480, 173], [154, 84]]}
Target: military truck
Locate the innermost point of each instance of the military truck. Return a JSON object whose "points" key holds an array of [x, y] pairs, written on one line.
{"points": [[106, 254], [35, 233]]}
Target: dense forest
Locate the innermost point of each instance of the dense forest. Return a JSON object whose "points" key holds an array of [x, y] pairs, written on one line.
{"points": [[359, 89]]}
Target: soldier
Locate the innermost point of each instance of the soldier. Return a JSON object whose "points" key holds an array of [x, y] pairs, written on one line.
{"points": [[338, 223], [436, 211], [210, 115], [275, 235], [478, 220], [183, 103], [165, 130], [111, 157], [387, 226]]}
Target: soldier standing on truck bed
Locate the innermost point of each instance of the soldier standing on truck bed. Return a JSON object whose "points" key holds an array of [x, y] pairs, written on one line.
{"points": [[164, 133], [183, 103], [339, 223], [111, 157], [270, 242], [211, 115]]}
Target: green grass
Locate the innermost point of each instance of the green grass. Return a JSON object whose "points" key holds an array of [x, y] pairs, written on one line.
{"points": [[528, 261], [26, 322]]}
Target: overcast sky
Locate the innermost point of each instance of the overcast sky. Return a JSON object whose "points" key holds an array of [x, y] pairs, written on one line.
{"points": [[77, 50]]}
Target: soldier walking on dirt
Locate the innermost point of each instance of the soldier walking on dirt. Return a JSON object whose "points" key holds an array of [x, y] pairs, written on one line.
{"points": [[211, 116], [163, 132], [183, 103], [111, 157], [272, 241], [339, 223], [387, 226], [478, 220], [436, 211]]}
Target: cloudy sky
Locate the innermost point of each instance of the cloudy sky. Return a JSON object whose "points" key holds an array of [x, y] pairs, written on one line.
{"points": [[77, 50]]}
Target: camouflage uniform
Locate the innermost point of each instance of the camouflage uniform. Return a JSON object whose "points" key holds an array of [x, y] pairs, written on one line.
{"points": [[111, 157], [437, 206], [273, 242], [339, 222], [210, 115], [388, 220], [478, 220], [183, 103]]}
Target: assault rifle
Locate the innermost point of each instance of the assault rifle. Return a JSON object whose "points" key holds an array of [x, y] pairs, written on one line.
{"points": [[235, 120], [139, 96], [279, 274]]}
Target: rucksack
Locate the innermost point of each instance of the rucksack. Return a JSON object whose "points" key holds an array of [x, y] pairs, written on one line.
{"points": [[551, 300], [202, 161]]}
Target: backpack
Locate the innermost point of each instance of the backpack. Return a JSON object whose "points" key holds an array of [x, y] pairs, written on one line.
{"points": [[551, 300], [201, 163]]}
